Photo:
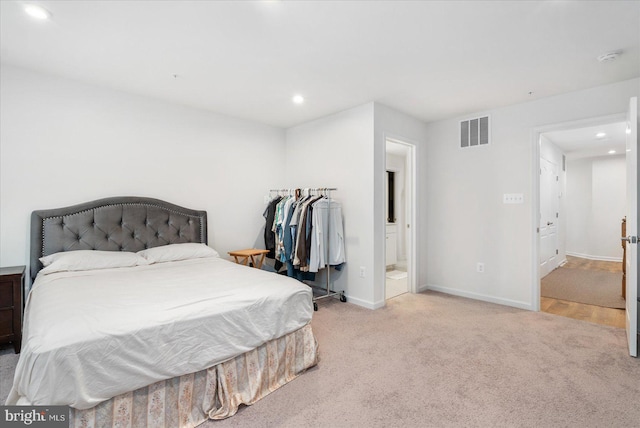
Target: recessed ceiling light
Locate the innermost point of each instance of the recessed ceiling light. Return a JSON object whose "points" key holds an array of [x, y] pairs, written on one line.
{"points": [[37, 12], [298, 99], [612, 152], [601, 135]]}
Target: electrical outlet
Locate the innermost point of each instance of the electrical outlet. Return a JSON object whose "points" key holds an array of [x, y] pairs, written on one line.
{"points": [[480, 267], [362, 271]]}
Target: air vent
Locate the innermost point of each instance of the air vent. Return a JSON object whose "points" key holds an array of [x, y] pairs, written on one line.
{"points": [[474, 132]]}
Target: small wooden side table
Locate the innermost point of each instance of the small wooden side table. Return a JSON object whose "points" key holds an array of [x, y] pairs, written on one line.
{"points": [[243, 256]]}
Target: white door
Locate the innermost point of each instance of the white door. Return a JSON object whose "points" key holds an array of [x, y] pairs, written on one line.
{"points": [[549, 209], [632, 227]]}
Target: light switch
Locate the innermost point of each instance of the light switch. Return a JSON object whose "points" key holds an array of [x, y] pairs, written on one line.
{"points": [[513, 198]]}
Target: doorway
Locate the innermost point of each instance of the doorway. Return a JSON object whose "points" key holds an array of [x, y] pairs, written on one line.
{"points": [[582, 203], [399, 214], [550, 196]]}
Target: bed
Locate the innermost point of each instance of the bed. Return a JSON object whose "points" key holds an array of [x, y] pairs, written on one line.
{"points": [[133, 320]]}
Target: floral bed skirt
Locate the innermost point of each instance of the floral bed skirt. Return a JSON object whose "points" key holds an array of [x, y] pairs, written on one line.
{"points": [[213, 393]]}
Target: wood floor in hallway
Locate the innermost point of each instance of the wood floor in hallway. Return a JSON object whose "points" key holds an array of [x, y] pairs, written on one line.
{"points": [[580, 311]]}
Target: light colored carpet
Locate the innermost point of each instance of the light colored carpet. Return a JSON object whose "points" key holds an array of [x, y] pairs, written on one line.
{"points": [[434, 360], [592, 287], [8, 361]]}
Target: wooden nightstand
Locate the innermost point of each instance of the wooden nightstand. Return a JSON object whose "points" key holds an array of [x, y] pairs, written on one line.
{"points": [[11, 298]]}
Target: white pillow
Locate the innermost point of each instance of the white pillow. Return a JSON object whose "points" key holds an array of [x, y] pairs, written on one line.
{"points": [[175, 252], [89, 259]]}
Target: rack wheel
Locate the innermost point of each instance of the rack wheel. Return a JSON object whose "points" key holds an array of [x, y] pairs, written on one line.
{"points": [[315, 306], [343, 298]]}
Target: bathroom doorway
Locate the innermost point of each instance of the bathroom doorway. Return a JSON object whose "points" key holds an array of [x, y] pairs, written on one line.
{"points": [[399, 185]]}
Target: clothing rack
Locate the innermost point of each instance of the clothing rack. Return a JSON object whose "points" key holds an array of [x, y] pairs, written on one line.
{"points": [[324, 191]]}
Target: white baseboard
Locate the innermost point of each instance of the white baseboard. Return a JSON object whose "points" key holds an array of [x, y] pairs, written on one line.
{"points": [[365, 303], [591, 257], [447, 290], [477, 296]]}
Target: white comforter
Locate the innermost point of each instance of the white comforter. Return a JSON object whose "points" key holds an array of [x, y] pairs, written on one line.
{"points": [[89, 336]]}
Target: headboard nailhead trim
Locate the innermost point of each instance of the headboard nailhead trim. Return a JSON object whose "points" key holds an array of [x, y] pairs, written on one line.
{"points": [[202, 237]]}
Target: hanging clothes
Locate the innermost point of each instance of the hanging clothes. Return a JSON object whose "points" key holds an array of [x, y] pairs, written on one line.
{"points": [[301, 258], [282, 209], [307, 233], [288, 238], [269, 234], [327, 237]]}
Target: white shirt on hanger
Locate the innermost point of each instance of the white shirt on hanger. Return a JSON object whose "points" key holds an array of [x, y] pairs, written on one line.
{"points": [[327, 226]]}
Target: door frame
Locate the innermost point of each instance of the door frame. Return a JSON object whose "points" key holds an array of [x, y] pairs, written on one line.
{"points": [[535, 191], [631, 286], [411, 214]]}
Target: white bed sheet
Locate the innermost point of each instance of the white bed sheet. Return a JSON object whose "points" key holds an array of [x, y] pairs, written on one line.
{"points": [[89, 336]]}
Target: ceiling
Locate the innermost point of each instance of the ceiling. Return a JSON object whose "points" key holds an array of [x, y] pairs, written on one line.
{"points": [[429, 59], [584, 142]]}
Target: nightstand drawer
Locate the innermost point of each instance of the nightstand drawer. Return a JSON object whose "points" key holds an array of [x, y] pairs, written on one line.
{"points": [[6, 294], [6, 322]]}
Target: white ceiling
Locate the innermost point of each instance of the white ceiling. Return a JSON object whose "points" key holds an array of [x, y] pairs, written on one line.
{"points": [[430, 59], [582, 142]]}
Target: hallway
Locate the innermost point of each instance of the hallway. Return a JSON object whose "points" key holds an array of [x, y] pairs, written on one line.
{"points": [[583, 312]]}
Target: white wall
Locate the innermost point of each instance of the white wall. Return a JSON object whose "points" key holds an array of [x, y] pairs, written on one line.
{"points": [[96, 142], [348, 149], [65, 142], [467, 221], [337, 151], [596, 204], [393, 124]]}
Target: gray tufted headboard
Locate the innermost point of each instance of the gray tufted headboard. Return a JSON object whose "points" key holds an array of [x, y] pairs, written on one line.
{"points": [[113, 224]]}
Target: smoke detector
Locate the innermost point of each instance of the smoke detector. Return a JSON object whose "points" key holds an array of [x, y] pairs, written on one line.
{"points": [[609, 56]]}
